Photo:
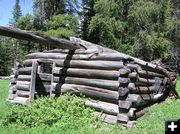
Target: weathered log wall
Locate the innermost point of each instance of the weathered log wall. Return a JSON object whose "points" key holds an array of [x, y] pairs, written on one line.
{"points": [[120, 86]]}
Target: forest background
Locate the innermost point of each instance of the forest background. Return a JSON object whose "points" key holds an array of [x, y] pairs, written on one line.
{"points": [[147, 29]]}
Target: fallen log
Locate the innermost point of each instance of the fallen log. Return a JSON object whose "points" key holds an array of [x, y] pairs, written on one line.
{"points": [[38, 37]]}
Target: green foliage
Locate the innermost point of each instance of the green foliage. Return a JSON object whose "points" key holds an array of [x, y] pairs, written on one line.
{"points": [[139, 28], [46, 111], [62, 26], [6, 56], [86, 14], [16, 12], [74, 118]]}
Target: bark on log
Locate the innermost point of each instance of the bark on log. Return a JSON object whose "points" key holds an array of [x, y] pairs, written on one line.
{"points": [[101, 94], [37, 37], [103, 107]]}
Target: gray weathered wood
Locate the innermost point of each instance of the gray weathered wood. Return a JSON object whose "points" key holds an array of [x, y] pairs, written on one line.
{"points": [[106, 84], [111, 119], [37, 37], [103, 107], [107, 65], [101, 94], [87, 73], [33, 80], [25, 71], [84, 64], [125, 104], [22, 93], [148, 74], [122, 117], [23, 87]]}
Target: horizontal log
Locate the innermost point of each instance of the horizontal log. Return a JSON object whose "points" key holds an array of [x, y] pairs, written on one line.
{"points": [[103, 107], [101, 94], [111, 119], [77, 51], [26, 70], [143, 80], [22, 83], [24, 78], [38, 37], [103, 65], [108, 56], [20, 100], [148, 74], [106, 84], [133, 67], [87, 73], [41, 55], [143, 99], [24, 87], [140, 89], [21, 93], [107, 65], [153, 68]]}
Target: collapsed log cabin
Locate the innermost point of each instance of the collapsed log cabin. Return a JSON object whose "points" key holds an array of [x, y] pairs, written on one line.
{"points": [[120, 87]]}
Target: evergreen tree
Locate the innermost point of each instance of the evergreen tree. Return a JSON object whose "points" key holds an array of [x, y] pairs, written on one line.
{"points": [[16, 12], [87, 13]]}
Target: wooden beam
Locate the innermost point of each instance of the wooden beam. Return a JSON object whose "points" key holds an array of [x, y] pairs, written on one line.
{"points": [[38, 37]]}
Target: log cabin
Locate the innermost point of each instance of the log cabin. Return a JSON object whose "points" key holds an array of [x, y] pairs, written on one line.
{"points": [[120, 87]]}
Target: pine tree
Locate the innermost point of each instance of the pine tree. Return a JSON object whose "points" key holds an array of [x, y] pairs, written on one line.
{"points": [[87, 13], [16, 12]]}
